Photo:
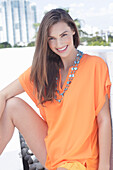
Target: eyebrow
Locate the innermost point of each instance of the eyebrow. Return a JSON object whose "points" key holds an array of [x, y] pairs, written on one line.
{"points": [[60, 34]]}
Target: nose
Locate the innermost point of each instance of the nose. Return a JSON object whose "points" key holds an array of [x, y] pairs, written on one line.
{"points": [[59, 43]]}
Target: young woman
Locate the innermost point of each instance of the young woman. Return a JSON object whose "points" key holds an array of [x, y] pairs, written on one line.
{"points": [[71, 90]]}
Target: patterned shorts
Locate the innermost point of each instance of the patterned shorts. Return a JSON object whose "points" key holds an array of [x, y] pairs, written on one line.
{"points": [[73, 166]]}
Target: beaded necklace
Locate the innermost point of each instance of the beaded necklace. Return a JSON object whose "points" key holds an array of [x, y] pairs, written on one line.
{"points": [[70, 78]]}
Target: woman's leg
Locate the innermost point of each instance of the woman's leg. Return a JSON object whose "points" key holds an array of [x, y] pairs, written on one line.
{"points": [[19, 114]]}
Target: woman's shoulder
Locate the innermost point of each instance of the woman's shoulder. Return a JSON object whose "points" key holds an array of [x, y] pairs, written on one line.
{"points": [[94, 60]]}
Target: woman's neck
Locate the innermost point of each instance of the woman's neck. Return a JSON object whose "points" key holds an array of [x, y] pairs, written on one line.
{"points": [[69, 61]]}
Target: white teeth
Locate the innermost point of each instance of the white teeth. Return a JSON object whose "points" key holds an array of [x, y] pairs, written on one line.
{"points": [[61, 49]]}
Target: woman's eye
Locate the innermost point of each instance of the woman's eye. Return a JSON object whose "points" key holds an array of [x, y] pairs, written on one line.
{"points": [[64, 35], [51, 38]]}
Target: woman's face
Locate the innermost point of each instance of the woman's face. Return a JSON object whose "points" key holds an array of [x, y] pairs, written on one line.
{"points": [[60, 39]]}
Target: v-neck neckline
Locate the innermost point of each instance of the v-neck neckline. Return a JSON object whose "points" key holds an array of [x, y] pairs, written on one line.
{"points": [[61, 89], [65, 82]]}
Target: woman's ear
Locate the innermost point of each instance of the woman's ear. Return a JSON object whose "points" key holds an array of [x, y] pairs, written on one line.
{"points": [[73, 32]]}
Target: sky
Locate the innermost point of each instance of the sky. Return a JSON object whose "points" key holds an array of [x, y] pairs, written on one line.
{"points": [[95, 15]]}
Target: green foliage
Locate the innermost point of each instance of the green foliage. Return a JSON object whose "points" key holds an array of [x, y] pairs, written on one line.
{"points": [[78, 23], [19, 45], [66, 9], [110, 38], [31, 44], [97, 43], [94, 41], [89, 39], [84, 40], [96, 38], [5, 45], [35, 26]]}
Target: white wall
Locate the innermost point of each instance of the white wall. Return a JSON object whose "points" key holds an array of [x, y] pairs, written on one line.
{"points": [[12, 63]]}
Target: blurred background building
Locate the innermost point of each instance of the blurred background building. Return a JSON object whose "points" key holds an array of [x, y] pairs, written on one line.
{"points": [[16, 21]]}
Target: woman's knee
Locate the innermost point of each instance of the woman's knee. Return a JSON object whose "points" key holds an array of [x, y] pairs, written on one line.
{"points": [[12, 105]]}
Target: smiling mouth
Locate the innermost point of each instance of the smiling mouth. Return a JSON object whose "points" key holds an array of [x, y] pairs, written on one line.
{"points": [[62, 49]]}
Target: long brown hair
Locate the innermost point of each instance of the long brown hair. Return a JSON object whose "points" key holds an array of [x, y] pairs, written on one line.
{"points": [[46, 64]]}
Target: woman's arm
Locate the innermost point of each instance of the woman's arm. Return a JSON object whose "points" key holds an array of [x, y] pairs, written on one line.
{"points": [[11, 90], [104, 136]]}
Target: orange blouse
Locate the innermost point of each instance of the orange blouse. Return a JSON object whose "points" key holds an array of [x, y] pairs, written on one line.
{"points": [[72, 124]]}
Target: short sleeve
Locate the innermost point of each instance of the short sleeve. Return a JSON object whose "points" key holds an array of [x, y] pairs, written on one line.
{"points": [[24, 79], [102, 84], [28, 86]]}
